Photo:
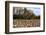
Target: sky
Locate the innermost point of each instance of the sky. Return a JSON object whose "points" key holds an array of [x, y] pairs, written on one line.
{"points": [[35, 10]]}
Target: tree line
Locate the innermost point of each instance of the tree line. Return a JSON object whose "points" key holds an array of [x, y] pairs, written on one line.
{"points": [[26, 15]]}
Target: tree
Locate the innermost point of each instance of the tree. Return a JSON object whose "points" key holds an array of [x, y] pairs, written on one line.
{"points": [[25, 10], [26, 15]]}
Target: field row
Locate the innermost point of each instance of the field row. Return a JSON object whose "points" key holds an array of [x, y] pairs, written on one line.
{"points": [[26, 23]]}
